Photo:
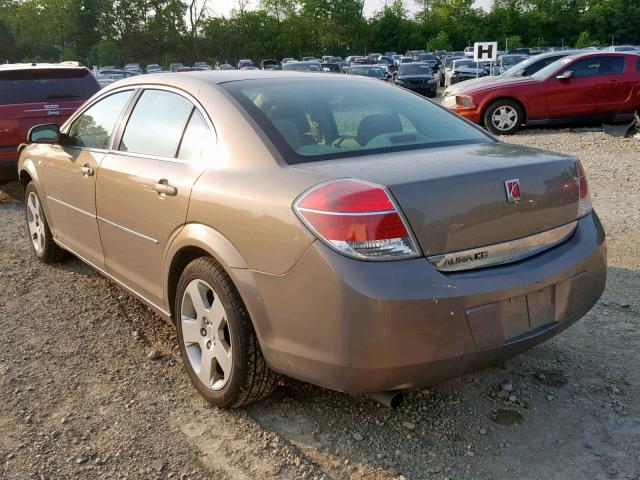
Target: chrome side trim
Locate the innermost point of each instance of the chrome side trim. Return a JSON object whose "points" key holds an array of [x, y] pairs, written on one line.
{"points": [[111, 277], [501, 253], [65, 204], [128, 230], [346, 214], [53, 109]]}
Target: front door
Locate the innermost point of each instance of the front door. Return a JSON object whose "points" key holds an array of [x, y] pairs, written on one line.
{"points": [[70, 172], [590, 92], [144, 188]]}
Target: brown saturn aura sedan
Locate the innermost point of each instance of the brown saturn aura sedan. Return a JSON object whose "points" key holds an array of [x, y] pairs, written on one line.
{"points": [[335, 229]]}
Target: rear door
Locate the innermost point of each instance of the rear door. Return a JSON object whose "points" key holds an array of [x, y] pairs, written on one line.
{"points": [[145, 183], [69, 175]]}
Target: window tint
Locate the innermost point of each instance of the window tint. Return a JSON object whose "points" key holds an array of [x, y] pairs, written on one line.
{"points": [[544, 63], [319, 120], [41, 85], [197, 142], [156, 124], [591, 67], [94, 127]]}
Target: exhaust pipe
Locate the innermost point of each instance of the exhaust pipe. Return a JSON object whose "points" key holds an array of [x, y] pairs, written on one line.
{"points": [[391, 399]]}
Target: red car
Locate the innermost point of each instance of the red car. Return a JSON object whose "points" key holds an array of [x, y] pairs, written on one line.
{"points": [[33, 94], [588, 86]]}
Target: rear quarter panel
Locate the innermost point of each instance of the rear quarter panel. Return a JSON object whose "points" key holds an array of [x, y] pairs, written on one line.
{"points": [[247, 193]]}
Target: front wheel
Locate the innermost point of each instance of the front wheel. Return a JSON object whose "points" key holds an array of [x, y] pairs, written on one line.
{"points": [[218, 343], [504, 117], [44, 248]]}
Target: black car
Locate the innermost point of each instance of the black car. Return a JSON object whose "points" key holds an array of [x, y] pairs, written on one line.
{"points": [[331, 67], [520, 51], [270, 65], [417, 77], [430, 59]]}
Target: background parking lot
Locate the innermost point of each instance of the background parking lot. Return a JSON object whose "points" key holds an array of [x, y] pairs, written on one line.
{"points": [[91, 383]]}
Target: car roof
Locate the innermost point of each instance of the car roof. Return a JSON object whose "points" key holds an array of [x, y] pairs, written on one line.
{"points": [[600, 53], [187, 80], [40, 66]]}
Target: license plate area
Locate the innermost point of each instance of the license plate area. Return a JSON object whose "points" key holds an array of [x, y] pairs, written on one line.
{"points": [[493, 324]]}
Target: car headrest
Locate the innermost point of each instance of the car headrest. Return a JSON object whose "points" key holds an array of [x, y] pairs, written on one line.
{"points": [[286, 114], [375, 125]]}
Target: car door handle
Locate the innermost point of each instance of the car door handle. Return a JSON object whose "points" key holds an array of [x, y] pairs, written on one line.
{"points": [[162, 187], [87, 171]]}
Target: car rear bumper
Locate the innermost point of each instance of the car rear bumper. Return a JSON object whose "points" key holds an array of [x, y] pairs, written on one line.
{"points": [[373, 326], [8, 163]]}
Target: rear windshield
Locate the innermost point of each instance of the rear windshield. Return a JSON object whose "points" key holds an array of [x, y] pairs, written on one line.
{"points": [[415, 69], [303, 67], [322, 119], [368, 71], [55, 85]]}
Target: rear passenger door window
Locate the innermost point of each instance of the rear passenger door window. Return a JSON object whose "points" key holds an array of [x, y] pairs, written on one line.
{"points": [[93, 129], [156, 124], [197, 142]]}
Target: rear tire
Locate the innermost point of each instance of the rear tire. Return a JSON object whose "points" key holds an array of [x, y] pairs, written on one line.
{"points": [[219, 346], [44, 248], [504, 117]]}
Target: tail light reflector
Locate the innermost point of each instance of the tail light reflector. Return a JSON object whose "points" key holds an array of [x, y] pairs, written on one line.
{"points": [[584, 203], [358, 219]]}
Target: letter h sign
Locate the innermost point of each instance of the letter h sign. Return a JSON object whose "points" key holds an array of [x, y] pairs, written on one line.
{"points": [[485, 51]]}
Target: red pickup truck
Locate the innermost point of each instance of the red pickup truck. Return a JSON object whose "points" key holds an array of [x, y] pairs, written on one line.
{"points": [[594, 86], [32, 94]]}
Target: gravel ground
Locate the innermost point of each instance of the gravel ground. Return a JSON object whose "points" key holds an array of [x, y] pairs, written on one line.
{"points": [[91, 382]]}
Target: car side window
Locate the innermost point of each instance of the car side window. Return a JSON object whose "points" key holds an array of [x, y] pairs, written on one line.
{"points": [[94, 127], [156, 124], [541, 64], [197, 141], [599, 66]]}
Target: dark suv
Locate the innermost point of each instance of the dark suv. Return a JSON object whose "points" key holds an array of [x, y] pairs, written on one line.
{"points": [[33, 94]]}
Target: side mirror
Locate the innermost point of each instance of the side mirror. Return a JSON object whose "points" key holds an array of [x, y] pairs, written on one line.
{"points": [[47, 134], [524, 73], [566, 75]]}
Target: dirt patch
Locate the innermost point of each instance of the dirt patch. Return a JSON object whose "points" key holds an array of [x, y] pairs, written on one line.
{"points": [[11, 192], [506, 417], [551, 378]]}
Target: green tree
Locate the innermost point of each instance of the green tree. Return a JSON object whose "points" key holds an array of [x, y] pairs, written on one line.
{"points": [[585, 40], [513, 41], [439, 42]]}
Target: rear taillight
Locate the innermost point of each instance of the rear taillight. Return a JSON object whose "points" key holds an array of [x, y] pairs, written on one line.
{"points": [[584, 204], [358, 219]]}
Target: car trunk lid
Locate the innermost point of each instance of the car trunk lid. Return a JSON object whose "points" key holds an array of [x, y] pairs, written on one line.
{"points": [[455, 198]]}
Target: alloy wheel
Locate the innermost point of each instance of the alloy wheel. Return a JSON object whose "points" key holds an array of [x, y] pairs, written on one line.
{"points": [[206, 336], [504, 118], [35, 223]]}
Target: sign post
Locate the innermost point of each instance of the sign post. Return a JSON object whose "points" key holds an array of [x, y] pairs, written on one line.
{"points": [[485, 52]]}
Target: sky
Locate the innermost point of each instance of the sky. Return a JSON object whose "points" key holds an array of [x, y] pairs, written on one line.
{"points": [[223, 7]]}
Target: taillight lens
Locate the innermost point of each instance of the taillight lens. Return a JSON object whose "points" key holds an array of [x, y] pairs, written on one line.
{"points": [[584, 204], [358, 219]]}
